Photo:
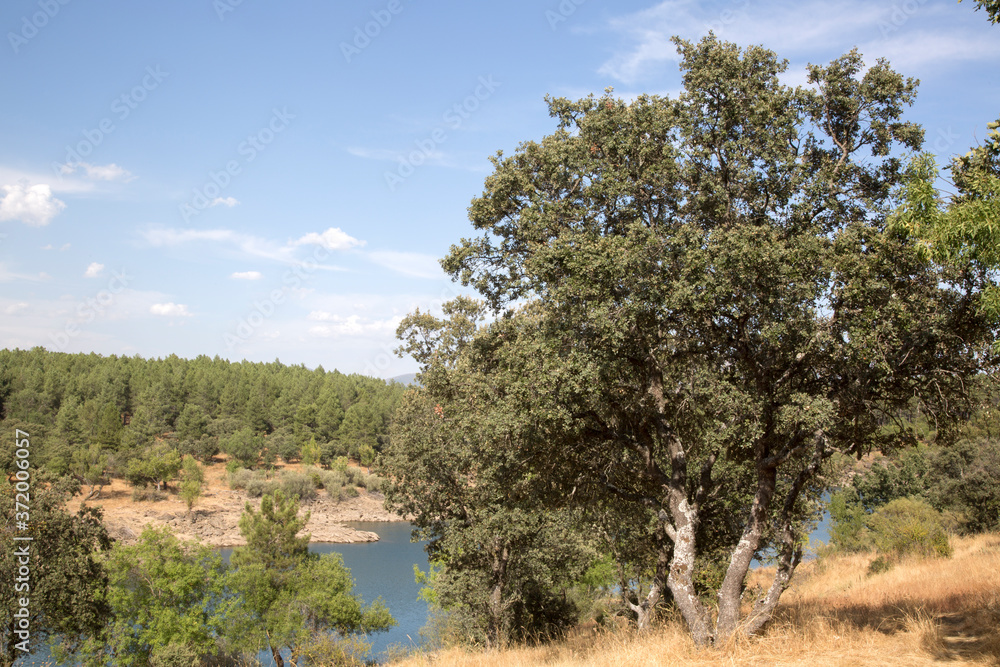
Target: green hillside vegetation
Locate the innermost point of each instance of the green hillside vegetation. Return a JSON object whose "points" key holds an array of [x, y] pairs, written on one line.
{"points": [[94, 417]]}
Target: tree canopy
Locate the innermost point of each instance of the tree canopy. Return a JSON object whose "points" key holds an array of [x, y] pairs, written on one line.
{"points": [[698, 301]]}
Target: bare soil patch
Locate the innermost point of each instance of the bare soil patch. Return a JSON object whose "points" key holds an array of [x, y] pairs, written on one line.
{"points": [[215, 518]]}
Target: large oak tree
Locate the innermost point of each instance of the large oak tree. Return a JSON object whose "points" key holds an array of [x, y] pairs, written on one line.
{"points": [[700, 300]]}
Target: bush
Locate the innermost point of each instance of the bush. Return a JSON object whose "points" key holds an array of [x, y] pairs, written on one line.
{"points": [[297, 484], [848, 522], [258, 485], [333, 478], [373, 483], [908, 526], [315, 474], [351, 491], [147, 494], [239, 477], [335, 491], [354, 476]]}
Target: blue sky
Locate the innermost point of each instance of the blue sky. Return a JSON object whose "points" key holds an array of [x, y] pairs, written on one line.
{"points": [[268, 180]]}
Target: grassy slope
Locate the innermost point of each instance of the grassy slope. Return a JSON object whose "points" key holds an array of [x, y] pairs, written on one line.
{"points": [[919, 613]]}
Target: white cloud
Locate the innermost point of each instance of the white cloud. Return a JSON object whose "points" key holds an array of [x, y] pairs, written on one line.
{"points": [[246, 275], [227, 201], [167, 237], [251, 246], [56, 179], [170, 309], [806, 31], [15, 308], [33, 205], [408, 263], [332, 239], [352, 325], [99, 172], [93, 270]]}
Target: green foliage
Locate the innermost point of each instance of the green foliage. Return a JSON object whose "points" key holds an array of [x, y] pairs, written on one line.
{"points": [[964, 479], [125, 404], [696, 302], [992, 8], [203, 449], [848, 521], [192, 423], [243, 446], [503, 564], [293, 596], [192, 482], [158, 465], [907, 526], [168, 603], [310, 453], [297, 484], [68, 582]]}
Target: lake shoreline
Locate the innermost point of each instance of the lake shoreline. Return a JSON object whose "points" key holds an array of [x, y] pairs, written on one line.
{"points": [[214, 520]]}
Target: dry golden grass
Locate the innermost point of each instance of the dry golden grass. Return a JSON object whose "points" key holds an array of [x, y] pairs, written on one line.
{"points": [[922, 612]]}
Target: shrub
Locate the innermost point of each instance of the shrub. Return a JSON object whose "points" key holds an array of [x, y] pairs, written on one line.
{"points": [[258, 485], [908, 526], [297, 484], [335, 491], [373, 483], [239, 477], [353, 476], [315, 474], [148, 494], [351, 491], [233, 466], [334, 477], [848, 522], [283, 443]]}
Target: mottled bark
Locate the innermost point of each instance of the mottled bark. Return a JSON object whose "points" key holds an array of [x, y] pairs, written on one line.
{"points": [[495, 629], [730, 592], [681, 579]]}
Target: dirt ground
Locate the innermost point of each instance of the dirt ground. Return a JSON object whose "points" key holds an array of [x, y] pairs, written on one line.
{"points": [[216, 514]]}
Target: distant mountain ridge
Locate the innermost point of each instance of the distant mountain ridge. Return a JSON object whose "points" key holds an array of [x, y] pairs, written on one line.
{"points": [[407, 379]]}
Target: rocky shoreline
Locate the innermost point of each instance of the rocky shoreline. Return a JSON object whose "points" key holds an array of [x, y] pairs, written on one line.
{"points": [[214, 520]]}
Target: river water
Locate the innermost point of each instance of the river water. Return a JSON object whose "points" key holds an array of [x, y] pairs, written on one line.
{"points": [[383, 568]]}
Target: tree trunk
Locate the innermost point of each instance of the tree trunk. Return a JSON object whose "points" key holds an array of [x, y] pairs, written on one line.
{"points": [[730, 593], [276, 654], [681, 578], [495, 634]]}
